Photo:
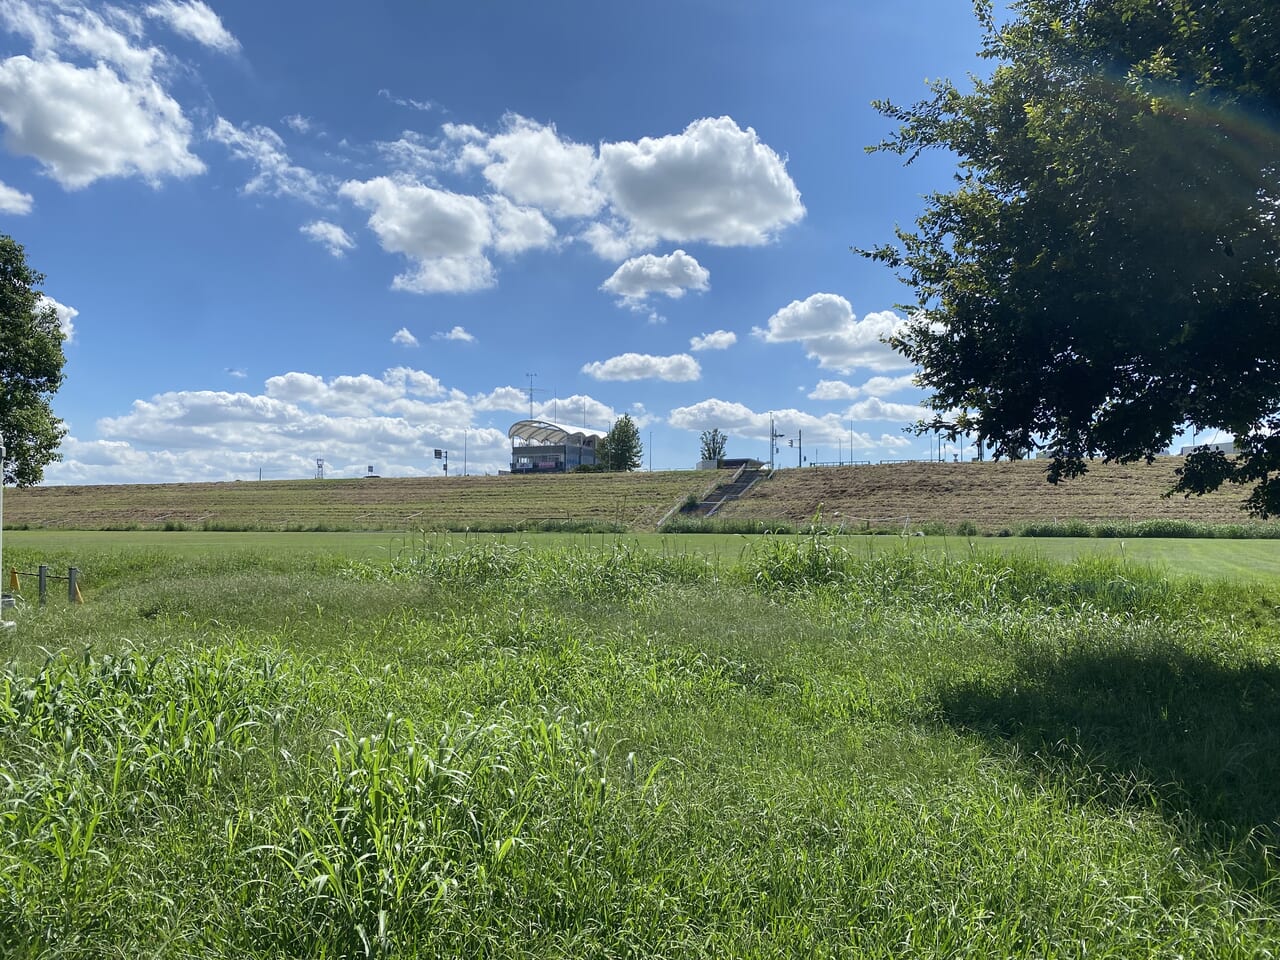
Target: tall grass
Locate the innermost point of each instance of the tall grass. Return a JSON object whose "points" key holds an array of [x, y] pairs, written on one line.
{"points": [[487, 749]]}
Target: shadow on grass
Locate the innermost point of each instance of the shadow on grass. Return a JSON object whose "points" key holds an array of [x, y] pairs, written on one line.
{"points": [[1199, 739]]}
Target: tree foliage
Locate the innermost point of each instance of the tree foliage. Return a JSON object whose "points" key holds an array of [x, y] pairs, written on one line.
{"points": [[712, 444], [1106, 271], [621, 448], [31, 362]]}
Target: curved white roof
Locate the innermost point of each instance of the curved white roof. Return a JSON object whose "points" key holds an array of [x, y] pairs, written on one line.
{"points": [[545, 433]]}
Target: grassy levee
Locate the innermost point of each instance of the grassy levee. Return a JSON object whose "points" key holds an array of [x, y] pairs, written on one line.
{"points": [[630, 500], [489, 749], [989, 495]]}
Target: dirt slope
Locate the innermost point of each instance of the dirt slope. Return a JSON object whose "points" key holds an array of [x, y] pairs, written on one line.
{"points": [[992, 495]]}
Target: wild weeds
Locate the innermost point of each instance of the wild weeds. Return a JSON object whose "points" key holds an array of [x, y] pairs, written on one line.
{"points": [[492, 749]]}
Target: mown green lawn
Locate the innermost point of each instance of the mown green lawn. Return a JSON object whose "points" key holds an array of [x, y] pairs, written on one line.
{"points": [[598, 749]]}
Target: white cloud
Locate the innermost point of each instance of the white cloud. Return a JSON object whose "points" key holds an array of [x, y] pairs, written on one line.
{"points": [[679, 368], [519, 228], [14, 202], [447, 275], [894, 443], [195, 20], [443, 234], [714, 182], [414, 382], [109, 39], [739, 420], [352, 395], [719, 340], [502, 398], [297, 123], [457, 333], [404, 338], [615, 240], [393, 421], [831, 334], [425, 106], [873, 408], [66, 315], [87, 123], [237, 373], [276, 175], [577, 409], [876, 386], [671, 275], [531, 164], [413, 154], [330, 236]]}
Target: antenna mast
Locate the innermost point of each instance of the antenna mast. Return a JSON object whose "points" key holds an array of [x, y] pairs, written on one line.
{"points": [[530, 376]]}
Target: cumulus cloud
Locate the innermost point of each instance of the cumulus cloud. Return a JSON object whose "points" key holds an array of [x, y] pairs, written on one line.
{"points": [[14, 202], [873, 408], [84, 124], [894, 443], [443, 234], [739, 420], [614, 240], [457, 333], [671, 276], [66, 315], [679, 368], [276, 175], [713, 182], [194, 19], [352, 395], [330, 236], [533, 165], [404, 338], [237, 373], [876, 386], [718, 340], [518, 229], [831, 334], [393, 421]]}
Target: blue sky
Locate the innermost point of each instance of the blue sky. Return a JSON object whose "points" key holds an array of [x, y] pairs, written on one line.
{"points": [[281, 231]]}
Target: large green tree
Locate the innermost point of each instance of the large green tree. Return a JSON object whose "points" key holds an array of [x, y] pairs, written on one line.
{"points": [[31, 362], [620, 449], [1105, 272]]}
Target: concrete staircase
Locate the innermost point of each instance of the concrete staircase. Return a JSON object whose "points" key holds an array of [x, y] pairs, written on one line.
{"points": [[733, 488]]}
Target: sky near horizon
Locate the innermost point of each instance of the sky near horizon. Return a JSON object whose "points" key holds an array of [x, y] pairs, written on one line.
{"points": [[282, 231]]}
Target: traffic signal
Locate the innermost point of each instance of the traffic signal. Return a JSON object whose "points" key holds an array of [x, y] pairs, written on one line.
{"points": [[791, 442]]}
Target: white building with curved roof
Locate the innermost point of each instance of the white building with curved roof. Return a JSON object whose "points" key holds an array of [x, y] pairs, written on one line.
{"points": [[540, 446]]}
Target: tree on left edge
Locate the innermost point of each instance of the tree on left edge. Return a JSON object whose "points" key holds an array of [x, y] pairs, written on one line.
{"points": [[31, 361]]}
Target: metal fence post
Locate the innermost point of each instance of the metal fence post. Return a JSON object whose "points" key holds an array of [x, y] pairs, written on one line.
{"points": [[43, 575], [72, 592]]}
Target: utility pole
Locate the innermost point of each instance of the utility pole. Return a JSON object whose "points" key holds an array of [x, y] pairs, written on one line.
{"points": [[774, 437], [799, 448]]}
